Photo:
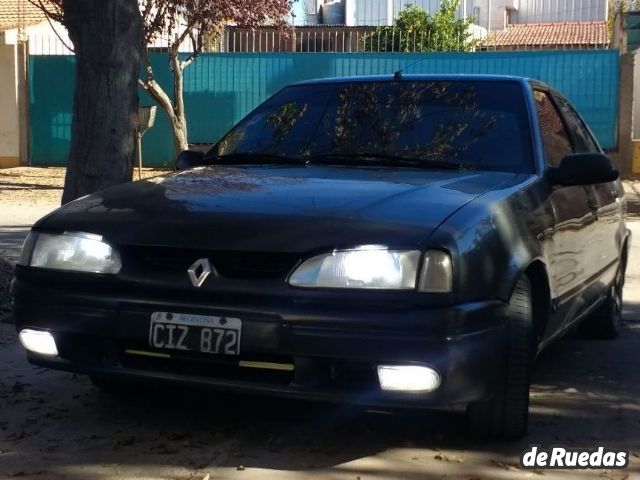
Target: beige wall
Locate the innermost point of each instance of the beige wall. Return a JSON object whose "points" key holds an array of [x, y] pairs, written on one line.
{"points": [[629, 114], [9, 115]]}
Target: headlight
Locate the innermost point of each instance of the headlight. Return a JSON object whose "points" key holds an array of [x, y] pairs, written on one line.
{"points": [[377, 267], [73, 251], [370, 266]]}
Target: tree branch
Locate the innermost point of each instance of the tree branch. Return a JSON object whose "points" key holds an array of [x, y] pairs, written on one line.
{"points": [[51, 16], [153, 88], [159, 95], [189, 60], [187, 31], [54, 15]]}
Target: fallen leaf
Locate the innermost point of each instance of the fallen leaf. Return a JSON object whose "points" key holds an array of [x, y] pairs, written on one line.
{"points": [[614, 475], [17, 435], [124, 442], [448, 458], [164, 449], [506, 466], [175, 436]]}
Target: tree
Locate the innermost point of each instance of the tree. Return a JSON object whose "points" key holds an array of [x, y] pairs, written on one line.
{"points": [[617, 7], [416, 30], [107, 38], [180, 21], [111, 41]]}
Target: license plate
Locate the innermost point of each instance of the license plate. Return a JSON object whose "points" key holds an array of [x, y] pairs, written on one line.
{"points": [[195, 333]]}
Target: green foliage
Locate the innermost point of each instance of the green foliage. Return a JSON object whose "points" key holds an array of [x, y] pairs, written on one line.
{"points": [[416, 30], [617, 7]]}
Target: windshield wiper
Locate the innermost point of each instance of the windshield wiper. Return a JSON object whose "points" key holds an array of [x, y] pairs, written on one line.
{"points": [[253, 158], [384, 159]]}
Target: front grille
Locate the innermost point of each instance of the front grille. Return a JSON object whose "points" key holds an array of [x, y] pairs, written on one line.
{"points": [[229, 264]]}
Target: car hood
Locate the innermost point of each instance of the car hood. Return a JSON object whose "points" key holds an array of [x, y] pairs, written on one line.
{"points": [[262, 208]]}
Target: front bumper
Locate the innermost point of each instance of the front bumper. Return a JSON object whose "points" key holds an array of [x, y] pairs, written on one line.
{"points": [[335, 349]]}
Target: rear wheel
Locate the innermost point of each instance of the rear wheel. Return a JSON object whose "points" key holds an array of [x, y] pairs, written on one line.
{"points": [[506, 414]]}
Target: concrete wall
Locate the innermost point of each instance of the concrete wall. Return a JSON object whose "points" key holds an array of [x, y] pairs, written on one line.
{"points": [[42, 39], [383, 12], [9, 110], [629, 114], [498, 12], [543, 11]]}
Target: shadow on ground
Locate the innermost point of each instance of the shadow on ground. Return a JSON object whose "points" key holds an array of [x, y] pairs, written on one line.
{"points": [[585, 394]]}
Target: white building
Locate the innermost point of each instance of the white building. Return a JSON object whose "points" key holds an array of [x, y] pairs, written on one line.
{"points": [[491, 14], [18, 19]]}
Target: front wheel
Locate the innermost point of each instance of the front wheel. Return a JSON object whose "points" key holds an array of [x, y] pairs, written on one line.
{"points": [[506, 415]]}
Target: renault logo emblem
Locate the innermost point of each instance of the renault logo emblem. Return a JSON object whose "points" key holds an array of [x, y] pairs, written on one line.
{"points": [[199, 271]]}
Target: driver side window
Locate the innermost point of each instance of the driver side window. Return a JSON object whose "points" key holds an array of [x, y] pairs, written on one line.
{"points": [[584, 142], [554, 134]]}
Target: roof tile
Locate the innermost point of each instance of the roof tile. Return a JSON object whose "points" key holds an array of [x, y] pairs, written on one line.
{"points": [[550, 34], [16, 13]]}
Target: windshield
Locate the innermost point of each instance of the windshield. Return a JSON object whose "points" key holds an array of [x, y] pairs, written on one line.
{"points": [[432, 124]]}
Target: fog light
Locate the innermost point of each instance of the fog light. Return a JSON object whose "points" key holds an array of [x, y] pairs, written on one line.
{"points": [[38, 342], [408, 378]]}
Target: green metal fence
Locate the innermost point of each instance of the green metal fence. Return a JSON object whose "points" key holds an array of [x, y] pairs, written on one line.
{"points": [[220, 88]]}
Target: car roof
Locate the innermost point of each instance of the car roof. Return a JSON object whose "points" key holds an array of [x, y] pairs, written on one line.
{"points": [[420, 77]]}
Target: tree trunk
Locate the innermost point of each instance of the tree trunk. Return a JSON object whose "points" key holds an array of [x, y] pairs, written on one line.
{"points": [[179, 129], [108, 40], [179, 122]]}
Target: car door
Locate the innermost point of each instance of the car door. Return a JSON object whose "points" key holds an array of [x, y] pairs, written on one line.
{"points": [[603, 237], [572, 209]]}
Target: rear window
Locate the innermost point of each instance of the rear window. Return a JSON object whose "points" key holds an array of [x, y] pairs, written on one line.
{"points": [[475, 124]]}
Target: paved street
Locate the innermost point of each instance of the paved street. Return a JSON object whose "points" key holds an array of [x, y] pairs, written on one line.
{"points": [[55, 425]]}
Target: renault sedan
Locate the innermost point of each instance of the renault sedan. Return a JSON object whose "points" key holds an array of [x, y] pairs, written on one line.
{"points": [[395, 241]]}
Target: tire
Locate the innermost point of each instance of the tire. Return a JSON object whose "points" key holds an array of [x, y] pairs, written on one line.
{"points": [[506, 415], [606, 321]]}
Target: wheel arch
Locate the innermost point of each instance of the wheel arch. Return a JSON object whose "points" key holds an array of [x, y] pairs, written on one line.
{"points": [[536, 272], [624, 254]]}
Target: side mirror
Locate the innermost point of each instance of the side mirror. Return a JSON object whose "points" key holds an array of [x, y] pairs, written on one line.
{"points": [[584, 169], [189, 159]]}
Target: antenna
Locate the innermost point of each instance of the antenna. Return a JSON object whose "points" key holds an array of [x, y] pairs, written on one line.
{"points": [[397, 75]]}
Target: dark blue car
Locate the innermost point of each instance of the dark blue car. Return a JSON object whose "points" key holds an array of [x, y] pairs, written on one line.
{"points": [[394, 241]]}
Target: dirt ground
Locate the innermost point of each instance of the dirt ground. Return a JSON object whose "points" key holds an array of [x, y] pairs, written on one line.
{"points": [[55, 425], [27, 185]]}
